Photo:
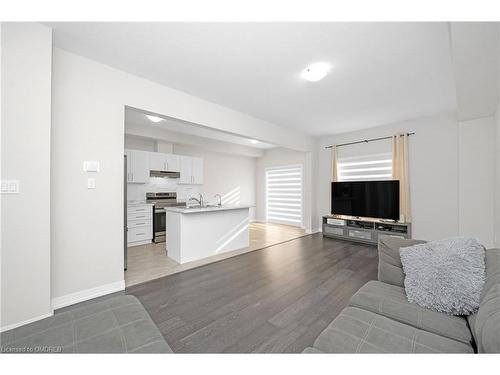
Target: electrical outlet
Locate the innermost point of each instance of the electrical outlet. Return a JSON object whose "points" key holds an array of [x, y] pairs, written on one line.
{"points": [[91, 183], [9, 186]]}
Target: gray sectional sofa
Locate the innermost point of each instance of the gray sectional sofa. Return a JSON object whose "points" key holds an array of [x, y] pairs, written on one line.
{"points": [[379, 318]]}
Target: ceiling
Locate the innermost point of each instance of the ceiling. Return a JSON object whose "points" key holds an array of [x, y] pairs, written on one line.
{"points": [[382, 72], [137, 117]]}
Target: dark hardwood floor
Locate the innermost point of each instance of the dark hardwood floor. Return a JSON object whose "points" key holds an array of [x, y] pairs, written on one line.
{"points": [[277, 299]]}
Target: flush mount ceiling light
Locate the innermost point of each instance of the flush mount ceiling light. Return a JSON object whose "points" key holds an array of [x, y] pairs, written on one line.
{"points": [[316, 72], [253, 141], [154, 118]]}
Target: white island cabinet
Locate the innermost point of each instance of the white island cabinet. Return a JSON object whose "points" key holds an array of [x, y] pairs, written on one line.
{"points": [[197, 233]]}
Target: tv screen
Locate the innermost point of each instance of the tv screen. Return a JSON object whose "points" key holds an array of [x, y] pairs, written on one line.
{"points": [[376, 199]]}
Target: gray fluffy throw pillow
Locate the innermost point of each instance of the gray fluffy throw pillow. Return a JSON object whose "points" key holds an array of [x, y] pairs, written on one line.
{"points": [[446, 275]]}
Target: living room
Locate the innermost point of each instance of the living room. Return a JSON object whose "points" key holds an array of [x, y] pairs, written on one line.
{"points": [[377, 145]]}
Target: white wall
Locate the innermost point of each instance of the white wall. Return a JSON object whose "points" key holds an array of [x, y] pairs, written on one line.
{"points": [[476, 180], [279, 157], [26, 101], [157, 133], [137, 192], [164, 147], [450, 174], [136, 143], [497, 165], [231, 176], [147, 144], [497, 178], [433, 172], [89, 102]]}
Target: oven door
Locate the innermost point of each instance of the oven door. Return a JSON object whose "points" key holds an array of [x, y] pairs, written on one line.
{"points": [[159, 225]]}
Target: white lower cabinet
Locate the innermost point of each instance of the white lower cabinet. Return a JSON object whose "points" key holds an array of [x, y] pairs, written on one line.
{"points": [[139, 224], [138, 235]]}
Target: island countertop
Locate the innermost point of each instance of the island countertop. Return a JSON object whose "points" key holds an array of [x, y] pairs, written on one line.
{"points": [[194, 210]]}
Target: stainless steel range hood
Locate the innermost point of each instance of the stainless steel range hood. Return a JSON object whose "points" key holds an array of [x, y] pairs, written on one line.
{"points": [[164, 174]]}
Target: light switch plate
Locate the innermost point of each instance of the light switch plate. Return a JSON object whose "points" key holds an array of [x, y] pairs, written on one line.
{"points": [[9, 186], [91, 166], [91, 183]]}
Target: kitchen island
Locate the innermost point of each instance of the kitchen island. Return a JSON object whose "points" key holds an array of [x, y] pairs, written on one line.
{"points": [[200, 232]]}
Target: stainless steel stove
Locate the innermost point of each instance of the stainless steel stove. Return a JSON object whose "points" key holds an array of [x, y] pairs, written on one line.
{"points": [[160, 201]]}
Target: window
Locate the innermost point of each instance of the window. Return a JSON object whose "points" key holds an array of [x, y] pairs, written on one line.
{"points": [[284, 195], [365, 168]]}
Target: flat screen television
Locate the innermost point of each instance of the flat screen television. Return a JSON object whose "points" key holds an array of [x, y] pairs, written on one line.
{"points": [[374, 199]]}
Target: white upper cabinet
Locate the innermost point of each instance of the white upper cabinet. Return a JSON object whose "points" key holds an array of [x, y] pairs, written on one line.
{"points": [[164, 162], [139, 163], [197, 171], [191, 170], [173, 162], [137, 166], [157, 161], [186, 170]]}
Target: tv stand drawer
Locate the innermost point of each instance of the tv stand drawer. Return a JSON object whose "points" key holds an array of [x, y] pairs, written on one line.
{"points": [[364, 235], [333, 231]]}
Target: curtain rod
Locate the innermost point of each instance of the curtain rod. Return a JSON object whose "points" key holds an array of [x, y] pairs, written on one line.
{"points": [[366, 141]]}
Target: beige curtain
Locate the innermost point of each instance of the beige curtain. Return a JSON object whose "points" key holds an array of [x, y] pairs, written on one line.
{"points": [[400, 171], [334, 164]]}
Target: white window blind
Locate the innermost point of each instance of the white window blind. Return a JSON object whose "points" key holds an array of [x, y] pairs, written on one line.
{"points": [[365, 168], [284, 195]]}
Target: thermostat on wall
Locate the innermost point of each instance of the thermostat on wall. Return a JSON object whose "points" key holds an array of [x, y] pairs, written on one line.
{"points": [[91, 166]]}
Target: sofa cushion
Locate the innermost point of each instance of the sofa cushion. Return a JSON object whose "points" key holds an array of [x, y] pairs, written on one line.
{"points": [[390, 269], [361, 331], [390, 301], [115, 325], [445, 275], [485, 324]]}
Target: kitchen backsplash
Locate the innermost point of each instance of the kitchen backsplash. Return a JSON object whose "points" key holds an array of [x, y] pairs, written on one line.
{"points": [[159, 184]]}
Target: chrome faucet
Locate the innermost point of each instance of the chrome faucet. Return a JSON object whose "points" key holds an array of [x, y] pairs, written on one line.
{"points": [[220, 199], [200, 200]]}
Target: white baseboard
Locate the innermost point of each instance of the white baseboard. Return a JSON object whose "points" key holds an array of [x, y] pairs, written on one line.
{"points": [[138, 243], [311, 231], [24, 322], [84, 295]]}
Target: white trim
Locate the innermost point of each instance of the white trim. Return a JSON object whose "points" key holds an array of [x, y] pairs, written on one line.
{"points": [[138, 243], [311, 231], [260, 221], [32, 320], [84, 295]]}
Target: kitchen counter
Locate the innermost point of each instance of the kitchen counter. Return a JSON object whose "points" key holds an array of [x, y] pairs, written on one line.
{"points": [[195, 210], [197, 233], [138, 203]]}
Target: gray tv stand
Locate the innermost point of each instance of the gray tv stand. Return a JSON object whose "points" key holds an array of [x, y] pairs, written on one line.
{"points": [[363, 230]]}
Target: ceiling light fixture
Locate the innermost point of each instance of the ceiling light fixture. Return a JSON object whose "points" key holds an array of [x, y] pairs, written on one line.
{"points": [[316, 72], [154, 118], [253, 141]]}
